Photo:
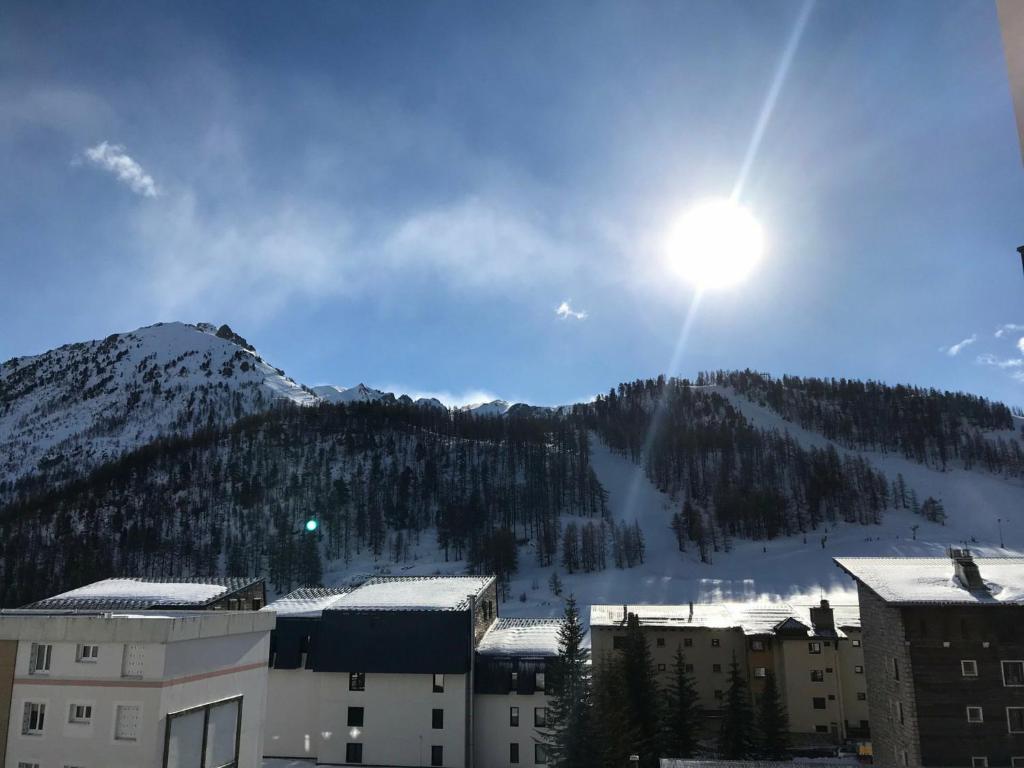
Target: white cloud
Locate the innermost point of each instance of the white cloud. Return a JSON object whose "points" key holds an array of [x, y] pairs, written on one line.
{"points": [[449, 398], [996, 362], [1007, 328], [565, 311], [113, 159], [957, 348], [1020, 344]]}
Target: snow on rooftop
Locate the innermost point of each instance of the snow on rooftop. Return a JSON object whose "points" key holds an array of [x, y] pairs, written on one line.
{"points": [[153, 592], [306, 601], [521, 637], [753, 618], [413, 593], [932, 579]]}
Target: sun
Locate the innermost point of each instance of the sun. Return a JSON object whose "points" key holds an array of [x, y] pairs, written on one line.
{"points": [[716, 244]]}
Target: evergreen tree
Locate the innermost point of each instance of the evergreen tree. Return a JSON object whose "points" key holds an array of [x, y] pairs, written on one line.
{"points": [[773, 723], [613, 738], [567, 734], [736, 739], [682, 715], [640, 699]]}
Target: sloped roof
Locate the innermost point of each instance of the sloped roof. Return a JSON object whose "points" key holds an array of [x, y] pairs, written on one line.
{"points": [[521, 637], [307, 601], [143, 592], [931, 580], [413, 593]]}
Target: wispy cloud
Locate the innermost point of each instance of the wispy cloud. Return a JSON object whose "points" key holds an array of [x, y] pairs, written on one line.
{"points": [[1006, 328], [959, 347], [565, 311], [113, 159], [1020, 344], [999, 362]]}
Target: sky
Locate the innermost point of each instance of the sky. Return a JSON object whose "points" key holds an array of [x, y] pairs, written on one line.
{"points": [[474, 200]]}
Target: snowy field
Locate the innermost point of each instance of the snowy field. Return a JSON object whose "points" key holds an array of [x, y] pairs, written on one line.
{"points": [[796, 569]]}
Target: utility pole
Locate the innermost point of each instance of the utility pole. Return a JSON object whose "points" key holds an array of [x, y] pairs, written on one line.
{"points": [[999, 522]]}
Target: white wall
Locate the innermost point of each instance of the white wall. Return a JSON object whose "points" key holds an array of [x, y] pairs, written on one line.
{"points": [[293, 714], [493, 734]]}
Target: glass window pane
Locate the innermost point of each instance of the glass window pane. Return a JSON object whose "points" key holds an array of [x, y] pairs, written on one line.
{"points": [[185, 744], [222, 729]]}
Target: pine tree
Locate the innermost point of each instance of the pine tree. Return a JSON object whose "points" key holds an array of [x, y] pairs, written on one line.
{"points": [[567, 734], [682, 715], [613, 738], [772, 721], [640, 699], [736, 739]]}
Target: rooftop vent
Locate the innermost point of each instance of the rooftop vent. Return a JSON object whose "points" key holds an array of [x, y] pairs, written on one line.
{"points": [[966, 570]]}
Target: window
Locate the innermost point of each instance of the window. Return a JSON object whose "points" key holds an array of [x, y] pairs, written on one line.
{"points": [[687, 642], [437, 755], [513, 753], [540, 717], [437, 719], [28, 765], [975, 715], [855, 643], [899, 712], [39, 658], [719, 694], [760, 672], [80, 714], [858, 670], [979, 762], [828, 670], [660, 642], [353, 752], [716, 667], [1017, 762], [757, 645], [895, 668], [969, 668], [355, 717], [817, 676], [818, 702], [821, 728], [438, 683], [515, 681], [1015, 719], [87, 653], [814, 647], [688, 668], [34, 718], [661, 667], [126, 722], [715, 642], [357, 681], [539, 681], [513, 716], [862, 696], [540, 754], [619, 642], [1013, 672]]}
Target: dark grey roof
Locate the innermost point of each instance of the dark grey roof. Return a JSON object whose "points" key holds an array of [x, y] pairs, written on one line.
{"points": [[128, 593]]}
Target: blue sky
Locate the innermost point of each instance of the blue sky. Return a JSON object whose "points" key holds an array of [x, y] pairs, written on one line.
{"points": [[405, 193]]}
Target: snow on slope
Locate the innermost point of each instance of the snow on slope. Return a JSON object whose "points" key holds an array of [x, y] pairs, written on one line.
{"points": [[357, 394], [76, 406]]}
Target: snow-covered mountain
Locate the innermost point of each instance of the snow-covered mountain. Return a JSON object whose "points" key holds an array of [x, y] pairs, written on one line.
{"points": [[79, 405], [357, 394]]}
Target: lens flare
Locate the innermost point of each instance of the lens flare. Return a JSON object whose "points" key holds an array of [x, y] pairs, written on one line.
{"points": [[716, 244]]}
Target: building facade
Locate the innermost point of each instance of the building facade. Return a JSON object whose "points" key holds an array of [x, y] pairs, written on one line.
{"points": [[943, 642], [149, 689], [814, 652]]}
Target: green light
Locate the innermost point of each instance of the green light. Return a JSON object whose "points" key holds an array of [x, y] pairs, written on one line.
{"points": [[311, 525]]}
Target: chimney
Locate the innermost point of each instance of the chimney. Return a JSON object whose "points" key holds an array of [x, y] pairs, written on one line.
{"points": [[691, 611], [966, 570], [822, 617], [625, 613]]}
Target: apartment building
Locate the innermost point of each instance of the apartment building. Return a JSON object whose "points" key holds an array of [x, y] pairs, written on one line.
{"points": [[382, 674], [943, 641], [814, 651], [510, 701], [148, 689]]}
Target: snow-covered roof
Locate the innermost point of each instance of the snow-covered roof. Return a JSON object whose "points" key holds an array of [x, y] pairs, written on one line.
{"points": [[753, 618], [413, 593], [667, 762], [924, 580], [306, 601], [142, 593], [521, 637]]}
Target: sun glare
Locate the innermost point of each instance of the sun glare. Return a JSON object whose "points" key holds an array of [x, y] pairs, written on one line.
{"points": [[716, 244]]}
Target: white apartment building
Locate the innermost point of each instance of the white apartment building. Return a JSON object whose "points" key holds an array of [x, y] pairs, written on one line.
{"points": [[133, 689], [412, 671]]}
